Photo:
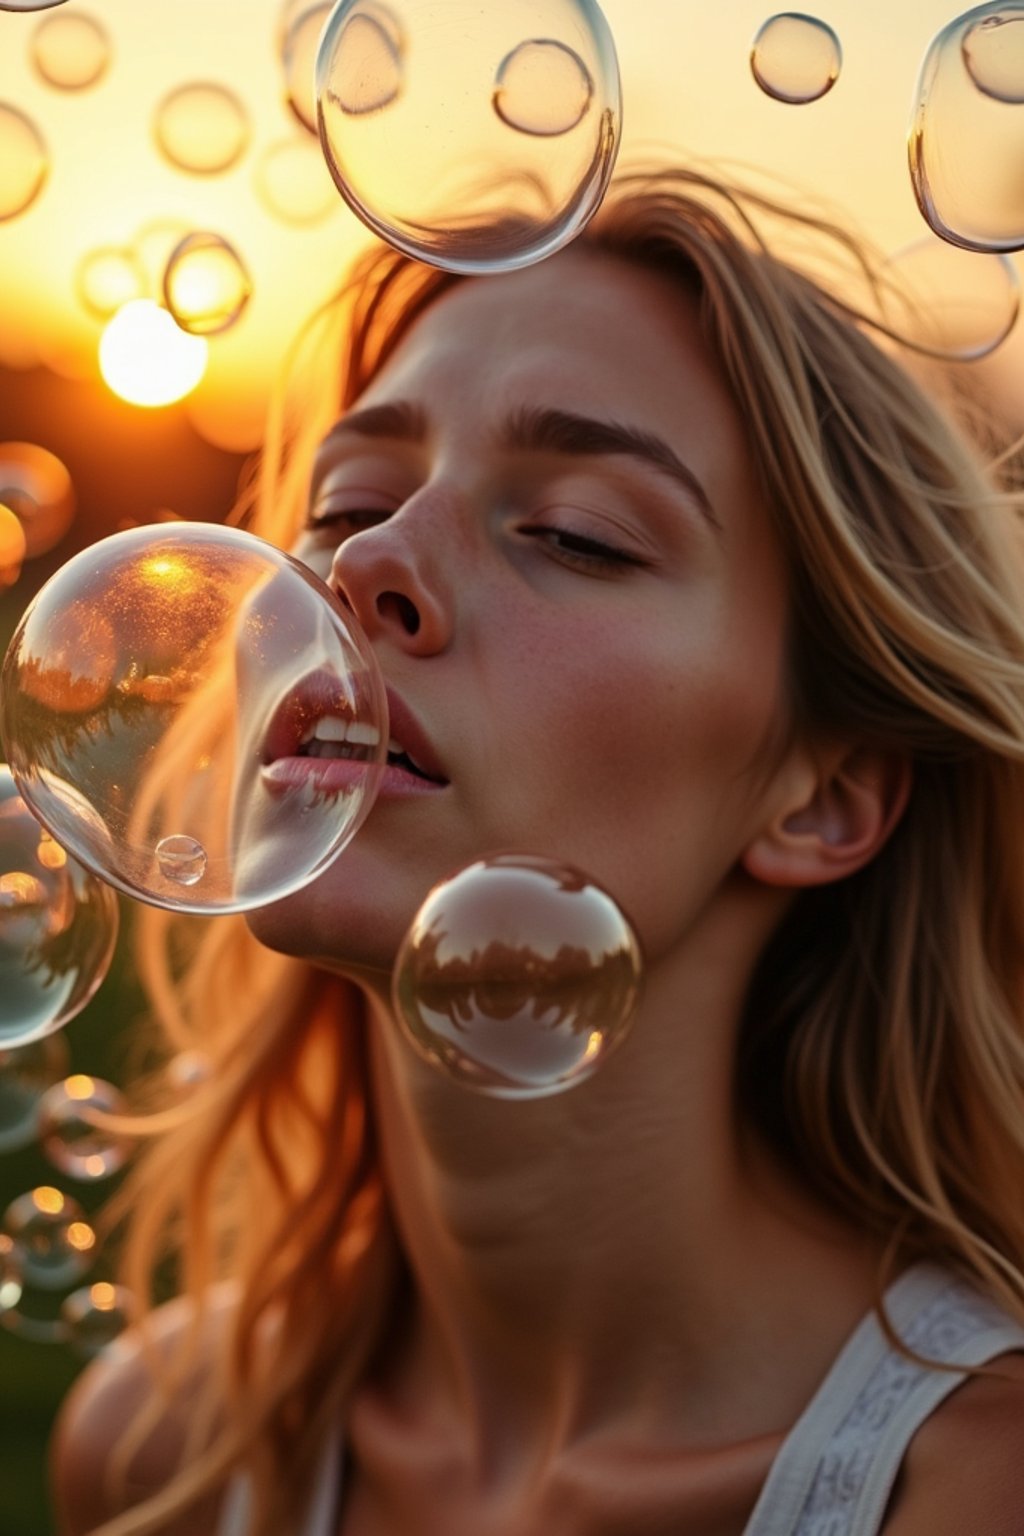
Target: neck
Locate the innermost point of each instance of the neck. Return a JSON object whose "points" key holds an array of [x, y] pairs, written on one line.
{"points": [[611, 1259]]}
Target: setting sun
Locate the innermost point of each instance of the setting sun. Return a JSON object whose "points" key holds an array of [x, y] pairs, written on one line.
{"points": [[146, 359]]}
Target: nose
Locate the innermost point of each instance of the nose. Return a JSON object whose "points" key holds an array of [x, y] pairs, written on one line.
{"points": [[393, 581]]}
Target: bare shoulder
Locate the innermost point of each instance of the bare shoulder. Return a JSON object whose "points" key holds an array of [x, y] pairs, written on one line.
{"points": [[105, 1402], [964, 1470]]}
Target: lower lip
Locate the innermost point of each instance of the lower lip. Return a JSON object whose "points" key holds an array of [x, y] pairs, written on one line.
{"points": [[341, 776]]}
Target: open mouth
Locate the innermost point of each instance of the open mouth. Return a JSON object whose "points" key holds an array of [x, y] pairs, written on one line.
{"points": [[333, 737]]}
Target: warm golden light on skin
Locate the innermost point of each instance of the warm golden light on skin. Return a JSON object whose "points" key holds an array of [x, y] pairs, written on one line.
{"points": [[146, 359]]}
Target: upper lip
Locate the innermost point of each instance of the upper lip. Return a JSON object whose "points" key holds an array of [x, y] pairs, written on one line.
{"points": [[408, 735], [321, 694]]}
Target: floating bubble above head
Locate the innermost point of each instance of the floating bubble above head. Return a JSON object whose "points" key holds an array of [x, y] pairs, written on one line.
{"points": [[95, 1316], [518, 977], [72, 1131], [195, 716], [950, 303], [26, 1072], [476, 138], [206, 284], [293, 182], [966, 142], [298, 58], [108, 278], [796, 58], [24, 161], [58, 925], [71, 51], [202, 128], [36, 486]]}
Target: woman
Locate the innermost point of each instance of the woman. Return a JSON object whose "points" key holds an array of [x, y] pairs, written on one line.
{"points": [[676, 577]]}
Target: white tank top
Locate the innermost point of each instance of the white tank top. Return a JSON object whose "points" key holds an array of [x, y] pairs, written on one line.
{"points": [[835, 1470]]}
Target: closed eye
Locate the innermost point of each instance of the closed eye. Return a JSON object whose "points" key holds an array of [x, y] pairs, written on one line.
{"points": [[345, 521], [581, 551]]}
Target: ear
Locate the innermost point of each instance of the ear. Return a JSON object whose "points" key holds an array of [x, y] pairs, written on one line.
{"points": [[837, 812]]}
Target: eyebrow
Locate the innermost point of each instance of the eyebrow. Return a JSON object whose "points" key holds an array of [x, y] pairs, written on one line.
{"points": [[538, 429]]}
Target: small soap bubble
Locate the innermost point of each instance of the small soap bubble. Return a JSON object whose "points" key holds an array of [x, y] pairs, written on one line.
{"points": [[37, 488], [206, 285], [178, 712], [476, 138], [518, 977], [12, 546], [58, 925], [202, 128], [966, 141], [993, 51], [951, 303], [108, 278], [542, 88], [71, 1129], [795, 58], [95, 1317], [52, 1244], [24, 161], [71, 51], [298, 59], [181, 859], [293, 182], [25, 1074]]}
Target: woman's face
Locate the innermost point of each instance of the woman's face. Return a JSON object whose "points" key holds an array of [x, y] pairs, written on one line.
{"points": [[544, 515]]}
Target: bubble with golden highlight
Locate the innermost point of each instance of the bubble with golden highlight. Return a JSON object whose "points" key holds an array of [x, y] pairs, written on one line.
{"points": [[95, 1316], [476, 138], [216, 733], [795, 58], [36, 486], [72, 1132], [518, 977], [12, 546], [202, 128], [24, 161], [108, 278], [58, 925], [71, 51], [966, 142], [293, 182], [52, 1243], [206, 285], [26, 1072]]}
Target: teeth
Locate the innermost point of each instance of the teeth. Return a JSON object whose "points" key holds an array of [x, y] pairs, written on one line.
{"points": [[331, 728]]}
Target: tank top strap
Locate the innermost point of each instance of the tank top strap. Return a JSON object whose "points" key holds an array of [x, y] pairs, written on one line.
{"points": [[835, 1470]]}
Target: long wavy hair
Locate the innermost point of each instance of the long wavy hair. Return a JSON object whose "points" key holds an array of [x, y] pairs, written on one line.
{"points": [[882, 1049]]}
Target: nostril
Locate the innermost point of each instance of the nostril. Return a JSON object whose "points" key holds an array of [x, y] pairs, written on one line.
{"points": [[397, 606]]}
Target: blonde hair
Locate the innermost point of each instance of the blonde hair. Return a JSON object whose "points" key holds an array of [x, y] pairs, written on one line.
{"points": [[882, 1050]]}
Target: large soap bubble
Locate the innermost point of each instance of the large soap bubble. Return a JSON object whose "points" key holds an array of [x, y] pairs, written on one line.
{"points": [[518, 977], [58, 926], [477, 138], [966, 141], [29, 5], [194, 715]]}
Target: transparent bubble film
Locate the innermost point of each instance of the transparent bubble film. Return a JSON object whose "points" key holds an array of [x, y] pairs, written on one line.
{"points": [[58, 926], [796, 58], [476, 138], [966, 141], [518, 977], [194, 715]]}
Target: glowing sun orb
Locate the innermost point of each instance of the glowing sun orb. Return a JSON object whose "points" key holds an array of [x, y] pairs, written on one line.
{"points": [[147, 359]]}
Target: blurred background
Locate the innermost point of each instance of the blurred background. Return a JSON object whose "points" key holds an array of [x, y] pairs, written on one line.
{"points": [[126, 126]]}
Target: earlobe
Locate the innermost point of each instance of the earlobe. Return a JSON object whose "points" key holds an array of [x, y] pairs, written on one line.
{"points": [[834, 822]]}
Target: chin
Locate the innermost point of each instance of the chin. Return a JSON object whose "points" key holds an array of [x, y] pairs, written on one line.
{"points": [[349, 941]]}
